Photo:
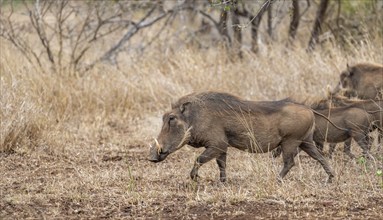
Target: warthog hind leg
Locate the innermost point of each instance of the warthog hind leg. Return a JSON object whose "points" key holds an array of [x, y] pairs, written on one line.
{"points": [[289, 151], [308, 147], [221, 161]]}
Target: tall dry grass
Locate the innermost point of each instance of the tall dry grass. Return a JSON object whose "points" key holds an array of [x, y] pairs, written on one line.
{"points": [[143, 88], [66, 131]]}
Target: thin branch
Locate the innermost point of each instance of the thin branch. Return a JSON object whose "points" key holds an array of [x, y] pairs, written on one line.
{"points": [[255, 22], [130, 33], [36, 20], [261, 11], [209, 17], [294, 20], [318, 24]]}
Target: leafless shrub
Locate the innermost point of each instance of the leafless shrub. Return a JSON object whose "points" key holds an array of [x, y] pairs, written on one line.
{"points": [[68, 30]]}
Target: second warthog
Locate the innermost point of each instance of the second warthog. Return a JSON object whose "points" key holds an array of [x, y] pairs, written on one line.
{"points": [[352, 122], [218, 120], [357, 124], [373, 108]]}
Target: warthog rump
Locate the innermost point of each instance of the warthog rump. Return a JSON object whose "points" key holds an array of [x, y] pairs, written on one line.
{"points": [[218, 120]]}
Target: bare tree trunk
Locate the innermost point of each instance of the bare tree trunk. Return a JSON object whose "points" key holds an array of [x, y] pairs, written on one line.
{"points": [[318, 24], [237, 41], [294, 20], [255, 22], [270, 22], [223, 27]]}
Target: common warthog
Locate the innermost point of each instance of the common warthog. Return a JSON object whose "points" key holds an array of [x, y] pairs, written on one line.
{"points": [[218, 120], [373, 107], [362, 80], [356, 121], [355, 124]]}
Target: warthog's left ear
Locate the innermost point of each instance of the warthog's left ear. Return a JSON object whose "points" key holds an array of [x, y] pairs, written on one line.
{"points": [[184, 107], [349, 71], [328, 92]]}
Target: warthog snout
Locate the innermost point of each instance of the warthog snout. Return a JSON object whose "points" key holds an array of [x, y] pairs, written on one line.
{"points": [[153, 158], [156, 152]]}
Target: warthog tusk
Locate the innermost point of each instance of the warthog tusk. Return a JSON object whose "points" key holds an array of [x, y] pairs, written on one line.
{"points": [[185, 138], [158, 146], [150, 146]]}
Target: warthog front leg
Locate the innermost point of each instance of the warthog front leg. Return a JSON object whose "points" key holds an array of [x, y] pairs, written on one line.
{"points": [[206, 156], [346, 149], [276, 152], [378, 127], [331, 149]]}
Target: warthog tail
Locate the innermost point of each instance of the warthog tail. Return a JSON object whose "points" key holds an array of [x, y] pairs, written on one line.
{"points": [[323, 116]]}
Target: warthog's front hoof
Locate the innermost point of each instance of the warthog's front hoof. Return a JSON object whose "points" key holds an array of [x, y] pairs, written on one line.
{"points": [[366, 157], [279, 180], [352, 156], [329, 180], [194, 176]]}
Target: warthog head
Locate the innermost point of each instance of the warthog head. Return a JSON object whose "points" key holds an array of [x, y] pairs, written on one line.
{"points": [[363, 80], [346, 77], [175, 133], [345, 81]]}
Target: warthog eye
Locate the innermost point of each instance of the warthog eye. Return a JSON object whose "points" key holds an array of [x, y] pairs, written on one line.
{"points": [[171, 118]]}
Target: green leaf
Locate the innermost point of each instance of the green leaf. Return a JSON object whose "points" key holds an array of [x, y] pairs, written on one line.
{"points": [[226, 8], [362, 160], [379, 173]]}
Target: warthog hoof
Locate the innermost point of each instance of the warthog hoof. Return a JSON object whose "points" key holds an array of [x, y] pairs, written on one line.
{"points": [[329, 180], [194, 175]]}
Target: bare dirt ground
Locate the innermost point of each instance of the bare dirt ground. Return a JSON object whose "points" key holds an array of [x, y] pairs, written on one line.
{"points": [[104, 180]]}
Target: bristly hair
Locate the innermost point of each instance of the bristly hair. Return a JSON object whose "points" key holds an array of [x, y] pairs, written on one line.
{"points": [[368, 67]]}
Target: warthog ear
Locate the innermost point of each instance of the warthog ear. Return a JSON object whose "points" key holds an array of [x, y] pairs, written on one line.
{"points": [[328, 92], [184, 107], [349, 71]]}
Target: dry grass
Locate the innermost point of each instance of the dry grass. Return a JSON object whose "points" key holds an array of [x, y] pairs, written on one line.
{"points": [[75, 146]]}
